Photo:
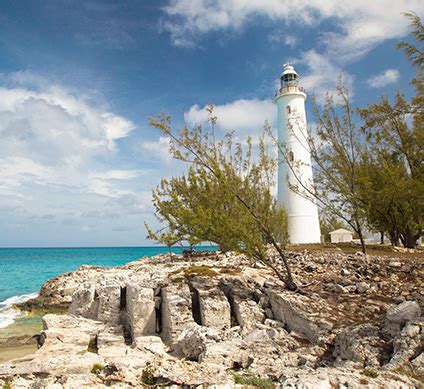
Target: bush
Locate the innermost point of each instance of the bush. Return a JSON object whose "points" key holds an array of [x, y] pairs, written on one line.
{"points": [[97, 368], [370, 373], [147, 377], [205, 271], [252, 379]]}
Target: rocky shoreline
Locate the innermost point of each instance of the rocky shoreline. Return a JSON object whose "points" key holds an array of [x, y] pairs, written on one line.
{"points": [[221, 321]]}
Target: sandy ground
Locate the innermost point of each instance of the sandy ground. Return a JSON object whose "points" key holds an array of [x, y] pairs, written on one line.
{"points": [[15, 339], [16, 351]]}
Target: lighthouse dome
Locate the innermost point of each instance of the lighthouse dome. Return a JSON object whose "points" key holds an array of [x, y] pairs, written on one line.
{"points": [[288, 69]]}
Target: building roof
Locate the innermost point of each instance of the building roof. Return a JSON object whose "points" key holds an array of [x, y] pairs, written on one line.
{"points": [[341, 231]]}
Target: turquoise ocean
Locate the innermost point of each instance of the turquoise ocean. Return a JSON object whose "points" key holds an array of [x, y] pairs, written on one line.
{"points": [[24, 270]]}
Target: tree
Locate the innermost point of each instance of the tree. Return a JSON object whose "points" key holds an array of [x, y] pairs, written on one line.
{"points": [[395, 185], [225, 195], [335, 152]]}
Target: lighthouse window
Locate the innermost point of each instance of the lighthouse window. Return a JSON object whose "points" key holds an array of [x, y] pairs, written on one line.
{"points": [[291, 156], [288, 109]]}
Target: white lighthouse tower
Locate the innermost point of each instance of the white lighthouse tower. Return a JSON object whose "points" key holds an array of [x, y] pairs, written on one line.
{"points": [[295, 160]]}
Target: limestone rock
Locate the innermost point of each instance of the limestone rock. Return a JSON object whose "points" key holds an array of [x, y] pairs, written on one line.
{"points": [[358, 346], [85, 302], [193, 340], [176, 311], [406, 345], [397, 316], [295, 312], [141, 310], [213, 306], [404, 312], [109, 303]]}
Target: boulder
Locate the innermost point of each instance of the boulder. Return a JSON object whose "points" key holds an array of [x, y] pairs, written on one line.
{"points": [[193, 340], [247, 312], [406, 345], [141, 310], [85, 302], [300, 313], [109, 304], [358, 346], [397, 316], [404, 312], [227, 354], [175, 311], [213, 306]]}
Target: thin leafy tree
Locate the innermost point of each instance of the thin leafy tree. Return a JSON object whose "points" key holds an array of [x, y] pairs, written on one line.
{"points": [[225, 195]]}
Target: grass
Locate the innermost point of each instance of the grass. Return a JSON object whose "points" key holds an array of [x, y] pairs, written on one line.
{"points": [[348, 248], [370, 373], [200, 271], [230, 271], [253, 380], [97, 368], [6, 386], [147, 376], [410, 373]]}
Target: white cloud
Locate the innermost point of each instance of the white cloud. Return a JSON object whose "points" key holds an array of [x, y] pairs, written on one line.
{"points": [[322, 76], [240, 115], [281, 36], [61, 170], [387, 77], [362, 24], [157, 150]]}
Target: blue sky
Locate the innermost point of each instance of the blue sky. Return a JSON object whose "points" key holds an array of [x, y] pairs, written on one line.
{"points": [[78, 80]]}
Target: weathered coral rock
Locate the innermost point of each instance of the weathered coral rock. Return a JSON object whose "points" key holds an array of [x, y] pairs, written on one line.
{"points": [[194, 338], [295, 312], [176, 311], [408, 344], [359, 347], [397, 316], [153, 318], [141, 310], [214, 308]]}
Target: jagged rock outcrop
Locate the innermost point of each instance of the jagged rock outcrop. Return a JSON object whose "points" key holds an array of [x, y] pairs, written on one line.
{"points": [[196, 321]]}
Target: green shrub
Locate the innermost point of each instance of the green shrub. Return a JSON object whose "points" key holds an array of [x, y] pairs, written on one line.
{"points": [[6, 386], [97, 368], [254, 380], [205, 271], [147, 376], [370, 373]]}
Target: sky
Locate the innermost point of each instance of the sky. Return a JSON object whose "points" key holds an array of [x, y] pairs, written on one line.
{"points": [[79, 80]]}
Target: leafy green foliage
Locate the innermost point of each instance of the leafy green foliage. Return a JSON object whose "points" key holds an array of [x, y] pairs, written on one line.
{"points": [[370, 373], [196, 270], [371, 177], [253, 380], [224, 197], [148, 377], [97, 368], [393, 170], [335, 152], [330, 223]]}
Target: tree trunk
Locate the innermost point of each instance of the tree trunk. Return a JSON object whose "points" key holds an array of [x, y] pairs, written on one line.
{"points": [[409, 240], [382, 237], [394, 238]]}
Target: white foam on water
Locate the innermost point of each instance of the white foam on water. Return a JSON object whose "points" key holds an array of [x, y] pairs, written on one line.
{"points": [[8, 314]]}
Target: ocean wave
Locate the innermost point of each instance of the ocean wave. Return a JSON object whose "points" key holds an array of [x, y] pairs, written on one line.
{"points": [[8, 314]]}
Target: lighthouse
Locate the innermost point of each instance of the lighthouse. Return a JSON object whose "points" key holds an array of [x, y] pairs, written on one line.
{"points": [[294, 160]]}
